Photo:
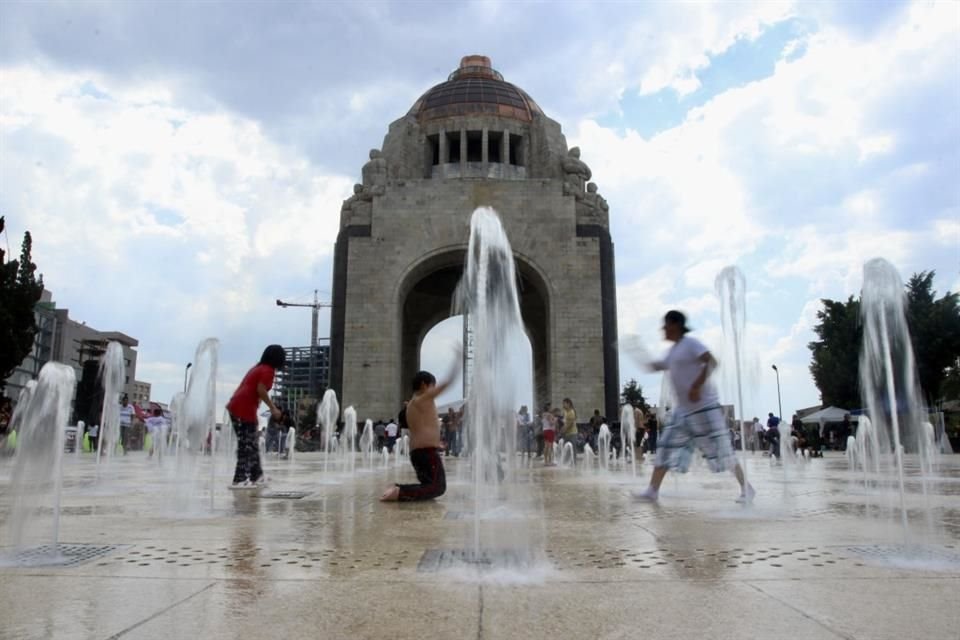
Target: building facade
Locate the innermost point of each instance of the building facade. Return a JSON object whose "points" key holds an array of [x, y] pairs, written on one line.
{"points": [[59, 338], [474, 140]]}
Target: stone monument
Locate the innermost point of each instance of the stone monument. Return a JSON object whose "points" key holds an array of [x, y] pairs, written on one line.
{"points": [[474, 140]]}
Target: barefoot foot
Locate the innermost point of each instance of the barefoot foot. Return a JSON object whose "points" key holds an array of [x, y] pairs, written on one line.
{"points": [[391, 495]]}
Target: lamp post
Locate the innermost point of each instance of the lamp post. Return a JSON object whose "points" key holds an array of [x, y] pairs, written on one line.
{"points": [[186, 370], [779, 403]]}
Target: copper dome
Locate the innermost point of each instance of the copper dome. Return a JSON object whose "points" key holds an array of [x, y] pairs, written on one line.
{"points": [[475, 89]]}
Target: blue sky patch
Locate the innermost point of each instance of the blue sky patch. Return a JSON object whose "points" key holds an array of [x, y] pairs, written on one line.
{"points": [[745, 62]]}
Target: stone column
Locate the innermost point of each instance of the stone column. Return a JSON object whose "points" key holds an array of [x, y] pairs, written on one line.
{"points": [[505, 147], [485, 152], [463, 151], [443, 150]]}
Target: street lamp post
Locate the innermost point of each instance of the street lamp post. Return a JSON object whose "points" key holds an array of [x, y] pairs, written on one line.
{"points": [[779, 403], [186, 370]]}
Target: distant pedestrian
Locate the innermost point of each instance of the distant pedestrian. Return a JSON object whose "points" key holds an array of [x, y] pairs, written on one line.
{"points": [[126, 422]]}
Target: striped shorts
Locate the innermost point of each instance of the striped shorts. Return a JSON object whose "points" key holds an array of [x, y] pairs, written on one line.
{"points": [[705, 430]]}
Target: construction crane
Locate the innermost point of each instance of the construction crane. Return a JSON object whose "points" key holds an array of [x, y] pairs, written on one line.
{"points": [[316, 305]]}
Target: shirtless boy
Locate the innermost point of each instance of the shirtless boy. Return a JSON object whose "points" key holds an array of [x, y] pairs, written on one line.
{"points": [[424, 440]]}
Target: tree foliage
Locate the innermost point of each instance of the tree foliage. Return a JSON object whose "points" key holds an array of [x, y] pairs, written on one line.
{"points": [[632, 394], [935, 329], [836, 354], [20, 290], [935, 335]]}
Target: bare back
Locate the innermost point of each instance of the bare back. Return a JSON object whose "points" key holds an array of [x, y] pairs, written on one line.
{"points": [[423, 421]]}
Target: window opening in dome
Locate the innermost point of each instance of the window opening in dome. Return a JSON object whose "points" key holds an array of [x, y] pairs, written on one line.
{"points": [[494, 145], [453, 147], [474, 146], [433, 149], [516, 150]]}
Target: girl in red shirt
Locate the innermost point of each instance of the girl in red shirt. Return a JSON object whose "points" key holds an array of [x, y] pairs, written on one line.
{"points": [[243, 413]]}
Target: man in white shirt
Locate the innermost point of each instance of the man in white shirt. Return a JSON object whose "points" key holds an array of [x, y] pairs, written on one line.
{"points": [[392, 429], [698, 418], [126, 421]]}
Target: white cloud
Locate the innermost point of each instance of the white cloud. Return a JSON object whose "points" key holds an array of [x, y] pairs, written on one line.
{"points": [[181, 218]]}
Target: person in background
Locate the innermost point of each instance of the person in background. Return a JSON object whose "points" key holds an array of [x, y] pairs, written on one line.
{"points": [[549, 423], [126, 422], [570, 426], [156, 426]]}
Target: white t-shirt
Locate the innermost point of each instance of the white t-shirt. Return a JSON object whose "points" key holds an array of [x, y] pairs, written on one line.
{"points": [[155, 424], [392, 430], [126, 415], [684, 366]]}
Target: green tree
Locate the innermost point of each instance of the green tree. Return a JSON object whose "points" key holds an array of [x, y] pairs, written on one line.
{"points": [[935, 332], [20, 290], [632, 394], [836, 355]]}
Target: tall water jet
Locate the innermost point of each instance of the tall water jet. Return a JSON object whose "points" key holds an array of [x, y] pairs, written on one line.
{"points": [[23, 404], [487, 297], [628, 435], [731, 288], [42, 414], [199, 405], [888, 376], [327, 414], [195, 421], [348, 440], [177, 428], [112, 376], [603, 446], [291, 443], [368, 442]]}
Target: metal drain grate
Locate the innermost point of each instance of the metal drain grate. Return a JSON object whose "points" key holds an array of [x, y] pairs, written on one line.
{"points": [[61, 555], [341, 561], [485, 559], [918, 556], [286, 495]]}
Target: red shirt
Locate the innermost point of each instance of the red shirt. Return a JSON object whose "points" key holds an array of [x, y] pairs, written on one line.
{"points": [[245, 401]]}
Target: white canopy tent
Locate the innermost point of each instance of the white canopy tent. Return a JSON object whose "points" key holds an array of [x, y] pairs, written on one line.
{"points": [[829, 414]]}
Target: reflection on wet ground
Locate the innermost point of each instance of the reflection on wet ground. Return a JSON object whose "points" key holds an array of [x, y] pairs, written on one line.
{"points": [[813, 523]]}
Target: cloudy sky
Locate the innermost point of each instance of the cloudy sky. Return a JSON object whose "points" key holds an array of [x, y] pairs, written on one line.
{"points": [[182, 165]]}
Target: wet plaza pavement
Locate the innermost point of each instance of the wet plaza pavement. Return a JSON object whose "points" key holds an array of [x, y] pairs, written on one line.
{"points": [[563, 554]]}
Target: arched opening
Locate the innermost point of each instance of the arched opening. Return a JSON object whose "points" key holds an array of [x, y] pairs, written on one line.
{"points": [[435, 354], [426, 296]]}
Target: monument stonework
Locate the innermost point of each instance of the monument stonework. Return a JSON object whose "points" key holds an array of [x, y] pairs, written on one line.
{"points": [[474, 140]]}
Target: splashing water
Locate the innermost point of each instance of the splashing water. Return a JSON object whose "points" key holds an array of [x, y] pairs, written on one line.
{"points": [[199, 405], [888, 380], [112, 375], [731, 288], [628, 435], [42, 414], [487, 295], [327, 414], [368, 442], [347, 442], [603, 446]]}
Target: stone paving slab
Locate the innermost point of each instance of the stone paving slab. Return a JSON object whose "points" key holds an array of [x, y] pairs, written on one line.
{"points": [[811, 559]]}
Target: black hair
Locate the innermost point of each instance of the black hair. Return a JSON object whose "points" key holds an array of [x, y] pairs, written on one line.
{"points": [[274, 356], [675, 317], [423, 377], [158, 411]]}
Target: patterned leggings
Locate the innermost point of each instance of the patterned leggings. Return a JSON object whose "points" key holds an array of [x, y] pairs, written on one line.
{"points": [[248, 453]]}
